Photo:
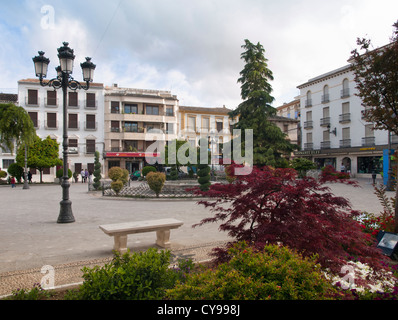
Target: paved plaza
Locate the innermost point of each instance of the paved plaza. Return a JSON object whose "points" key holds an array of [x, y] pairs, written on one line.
{"points": [[31, 238]]}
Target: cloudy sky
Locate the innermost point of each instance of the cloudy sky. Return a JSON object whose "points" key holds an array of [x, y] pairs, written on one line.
{"points": [[190, 47]]}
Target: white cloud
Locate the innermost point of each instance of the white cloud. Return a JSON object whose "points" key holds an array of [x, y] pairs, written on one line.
{"points": [[193, 47]]}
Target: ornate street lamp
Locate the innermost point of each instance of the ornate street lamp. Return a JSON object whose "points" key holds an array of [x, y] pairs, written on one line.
{"points": [[64, 80]]}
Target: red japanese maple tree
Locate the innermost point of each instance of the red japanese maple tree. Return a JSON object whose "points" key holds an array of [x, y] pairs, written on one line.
{"points": [[272, 206]]}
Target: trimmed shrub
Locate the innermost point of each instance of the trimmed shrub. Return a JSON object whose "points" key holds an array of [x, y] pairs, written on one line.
{"points": [[148, 169], [156, 181], [275, 272], [117, 186], [16, 171], [204, 177], [97, 171], [60, 174], [173, 172], [132, 276]]}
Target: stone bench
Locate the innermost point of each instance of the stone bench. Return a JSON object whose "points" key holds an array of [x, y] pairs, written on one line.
{"points": [[120, 231]]}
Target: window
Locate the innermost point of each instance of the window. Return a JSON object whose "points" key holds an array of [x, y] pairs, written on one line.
{"points": [[131, 127], [72, 121], [51, 120], [90, 100], [169, 128], [115, 145], [78, 168], [325, 96], [130, 145], [90, 167], [115, 127], [368, 164], [33, 97], [73, 99], [219, 125], [51, 98], [169, 112], [72, 143], [192, 123], [130, 108], [115, 107], [90, 122], [205, 123], [33, 117], [308, 102], [90, 146], [7, 163], [346, 90], [152, 110]]}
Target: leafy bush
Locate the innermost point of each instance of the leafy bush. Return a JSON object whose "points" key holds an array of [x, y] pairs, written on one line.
{"points": [[173, 172], [272, 206], [3, 174], [132, 276], [148, 169], [16, 171], [273, 273], [156, 181], [117, 173], [36, 293], [117, 186], [329, 173], [60, 173], [302, 165]]}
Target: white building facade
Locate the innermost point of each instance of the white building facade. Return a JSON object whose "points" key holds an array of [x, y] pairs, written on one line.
{"points": [[85, 122], [332, 126]]}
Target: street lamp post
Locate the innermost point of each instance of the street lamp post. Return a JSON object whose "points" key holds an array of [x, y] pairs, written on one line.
{"points": [[64, 80]]}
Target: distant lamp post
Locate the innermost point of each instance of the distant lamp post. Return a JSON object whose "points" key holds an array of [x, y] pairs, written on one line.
{"points": [[64, 80]]}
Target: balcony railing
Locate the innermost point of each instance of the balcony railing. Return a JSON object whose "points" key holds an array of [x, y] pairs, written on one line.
{"points": [[308, 146], [345, 93], [308, 103], [325, 98], [325, 145], [345, 117], [51, 102], [90, 125], [368, 141], [325, 121], [51, 124], [308, 124], [346, 143]]}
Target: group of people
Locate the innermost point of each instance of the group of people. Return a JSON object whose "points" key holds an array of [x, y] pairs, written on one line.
{"points": [[85, 175]]}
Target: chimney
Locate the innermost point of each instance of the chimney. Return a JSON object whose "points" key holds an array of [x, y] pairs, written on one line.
{"points": [[115, 85]]}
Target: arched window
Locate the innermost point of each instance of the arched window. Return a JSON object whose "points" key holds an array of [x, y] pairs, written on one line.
{"points": [[325, 96], [308, 102], [346, 90]]}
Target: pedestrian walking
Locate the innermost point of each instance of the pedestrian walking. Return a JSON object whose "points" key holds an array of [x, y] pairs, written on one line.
{"points": [[29, 176], [83, 174], [86, 174], [12, 181]]}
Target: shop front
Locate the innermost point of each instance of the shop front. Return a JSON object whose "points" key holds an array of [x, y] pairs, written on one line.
{"points": [[132, 161]]}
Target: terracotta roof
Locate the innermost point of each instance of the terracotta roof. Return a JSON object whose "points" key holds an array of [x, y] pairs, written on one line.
{"points": [[8, 97], [205, 110]]}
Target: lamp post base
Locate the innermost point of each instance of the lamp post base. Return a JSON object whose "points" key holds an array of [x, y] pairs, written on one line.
{"points": [[65, 213]]}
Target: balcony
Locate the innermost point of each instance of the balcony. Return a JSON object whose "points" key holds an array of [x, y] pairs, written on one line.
{"points": [[308, 124], [345, 93], [73, 126], [325, 122], [346, 143], [368, 141], [345, 117], [308, 146], [308, 103], [325, 145], [325, 98], [91, 104]]}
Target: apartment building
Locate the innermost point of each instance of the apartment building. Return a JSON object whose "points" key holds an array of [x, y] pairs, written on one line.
{"points": [[214, 124], [135, 119], [334, 131], [85, 121]]}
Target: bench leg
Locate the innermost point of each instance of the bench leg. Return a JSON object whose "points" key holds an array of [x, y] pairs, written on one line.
{"points": [[163, 238], [120, 244]]}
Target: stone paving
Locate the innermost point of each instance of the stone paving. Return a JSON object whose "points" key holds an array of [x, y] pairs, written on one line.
{"points": [[30, 237]]}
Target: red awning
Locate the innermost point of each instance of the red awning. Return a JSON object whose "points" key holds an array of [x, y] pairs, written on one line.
{"points": [[131, 155]]}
